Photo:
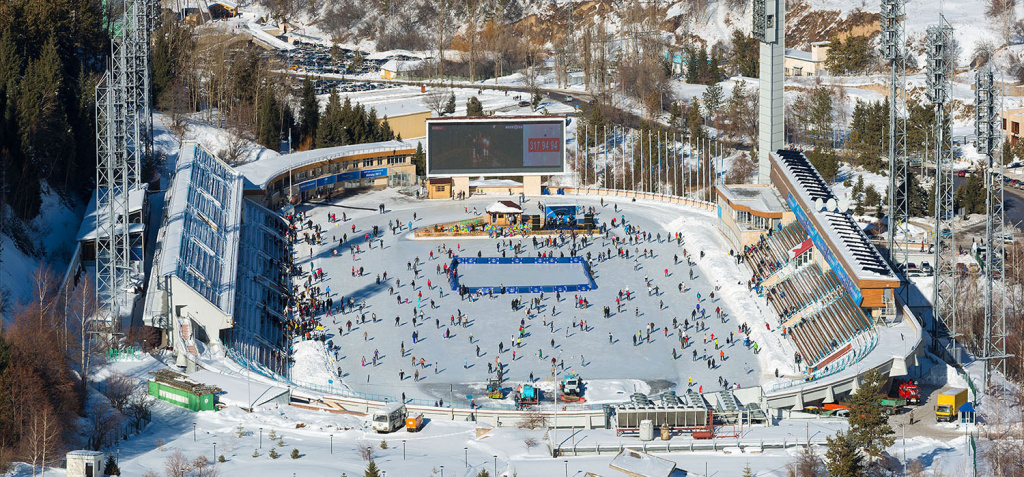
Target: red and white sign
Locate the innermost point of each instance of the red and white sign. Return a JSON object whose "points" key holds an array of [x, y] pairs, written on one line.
{"points": [[545, 144]]}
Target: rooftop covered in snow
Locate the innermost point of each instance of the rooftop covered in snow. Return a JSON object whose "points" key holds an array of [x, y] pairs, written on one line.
{"points": [[201, 232], [641, 464], [262, 171], [136, 200], [761, 199], [813, 195]]}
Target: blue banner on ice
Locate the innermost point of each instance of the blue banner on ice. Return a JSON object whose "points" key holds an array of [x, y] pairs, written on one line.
{"points": [[453, 277]]}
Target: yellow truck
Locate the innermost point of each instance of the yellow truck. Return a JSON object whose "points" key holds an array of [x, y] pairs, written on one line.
{"points": [[948, 404]]}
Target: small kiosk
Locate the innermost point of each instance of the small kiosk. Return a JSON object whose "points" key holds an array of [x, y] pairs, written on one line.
{"points": [[504, 213]]}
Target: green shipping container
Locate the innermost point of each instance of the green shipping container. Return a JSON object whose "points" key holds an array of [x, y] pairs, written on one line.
{"points": [[179, 397]]}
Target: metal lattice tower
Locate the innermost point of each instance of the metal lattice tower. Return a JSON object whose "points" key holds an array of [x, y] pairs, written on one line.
{"points": [[987, 129], [124, 137], [939, 70], [893, 49]]}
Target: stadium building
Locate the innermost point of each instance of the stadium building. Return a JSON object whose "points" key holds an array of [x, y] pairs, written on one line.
{"points": [[222, 268], [330, 171]]}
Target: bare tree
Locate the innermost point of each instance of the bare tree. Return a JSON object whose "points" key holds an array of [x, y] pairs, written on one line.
{"points": [[235, 148], [43, 436], [742, 168], [104, 423], [80, 314], [119, 389], [140, 407], [177, 465], [436, 99]]}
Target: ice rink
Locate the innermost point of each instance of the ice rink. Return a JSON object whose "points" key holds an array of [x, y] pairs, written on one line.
{"points": [[476, 275], [603, 352]]}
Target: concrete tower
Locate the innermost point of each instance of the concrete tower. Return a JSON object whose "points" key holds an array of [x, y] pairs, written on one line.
{"points": [[770, 29]]}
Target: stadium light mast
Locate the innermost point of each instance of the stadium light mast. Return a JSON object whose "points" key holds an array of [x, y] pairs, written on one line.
{"points": [[939, 42], [986, 129], [893, 49], [769, 25], [124, 138]]}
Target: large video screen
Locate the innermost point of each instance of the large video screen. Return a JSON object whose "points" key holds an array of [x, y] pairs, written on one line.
{"points": [[496, 146]]}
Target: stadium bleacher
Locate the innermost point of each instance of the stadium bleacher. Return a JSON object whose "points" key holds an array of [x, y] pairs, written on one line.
{"points": [[231, 251]]}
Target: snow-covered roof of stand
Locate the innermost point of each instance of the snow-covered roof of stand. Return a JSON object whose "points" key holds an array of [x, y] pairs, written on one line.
{"points": [[642, 464], [88, 229], [200, 236], [494, 183], [504, 207], [851, 243], [761, 198], [261, 171], [799, 55]]}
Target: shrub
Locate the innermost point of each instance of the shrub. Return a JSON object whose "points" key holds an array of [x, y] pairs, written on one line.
{"points": [[383, 444], [256, 453], [295, 453], [273, 453], [221, 459]]}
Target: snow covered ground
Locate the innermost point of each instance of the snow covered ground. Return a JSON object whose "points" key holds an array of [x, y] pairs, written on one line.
{"points": [[454, 361]]}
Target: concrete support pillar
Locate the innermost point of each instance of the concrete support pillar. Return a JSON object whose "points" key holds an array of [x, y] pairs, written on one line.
{"points": [[531, 185]]}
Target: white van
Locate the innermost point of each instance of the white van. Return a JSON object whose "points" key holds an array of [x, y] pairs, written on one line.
{"points": [[390, 417]]}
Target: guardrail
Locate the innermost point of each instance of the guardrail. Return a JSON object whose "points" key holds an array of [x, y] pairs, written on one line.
{"points": [[675, 199], [834, 367], [687, 446]]}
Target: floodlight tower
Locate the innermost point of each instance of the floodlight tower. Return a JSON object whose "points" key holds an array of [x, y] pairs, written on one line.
{"points": [[987, 130], [124, 138], [939, 69], [893, 49], [769, 28]]}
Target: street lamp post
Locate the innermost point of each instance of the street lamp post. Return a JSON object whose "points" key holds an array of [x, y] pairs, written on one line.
{"points": [[467, 456], [332, 444], [566, 468], [495, 466], [214, 452], [403, 449], [261, 438], [442, 471], [193, 432]]}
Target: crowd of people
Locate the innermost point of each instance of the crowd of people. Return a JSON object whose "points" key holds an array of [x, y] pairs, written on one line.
{"points": [[319, 314]]}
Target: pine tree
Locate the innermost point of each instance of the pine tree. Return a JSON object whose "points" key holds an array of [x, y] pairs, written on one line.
{"points": [[419, 160], [268, 122], [842, 459], [869, 426], [692, 73], [694, 120], [474, 107], [449, 108], [329, 131], [372, 470], [712, 100], [747, 471], [110, 468], [309, 114], [43, 120]]}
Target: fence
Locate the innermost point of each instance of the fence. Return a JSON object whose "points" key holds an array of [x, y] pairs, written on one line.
{"points": [[686, 446], [129, 353], [834, 367], [632, 194]]}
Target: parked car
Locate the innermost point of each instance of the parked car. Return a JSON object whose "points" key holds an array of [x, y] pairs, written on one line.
{"points": [[926, 269]]}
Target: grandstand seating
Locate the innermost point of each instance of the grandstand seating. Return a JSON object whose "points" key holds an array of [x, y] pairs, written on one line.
{"points": [[814, 308], [772, 252], [261, 296], [205, 255]]}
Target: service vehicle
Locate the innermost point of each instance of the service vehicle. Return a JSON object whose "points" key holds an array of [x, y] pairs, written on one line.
{"points": [[526, 395], [947, 406], [908, 390], [572, 388], [414, 423], [494, 390], [389, 418]]}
